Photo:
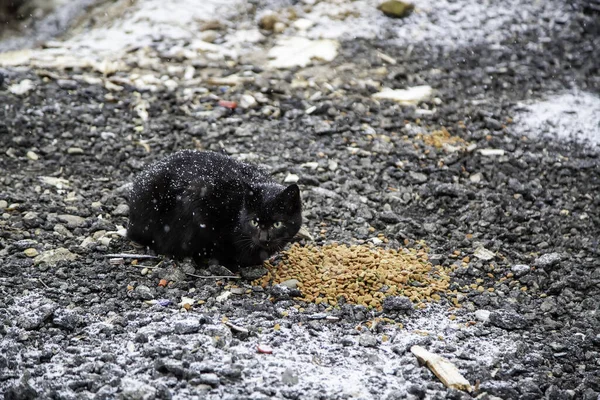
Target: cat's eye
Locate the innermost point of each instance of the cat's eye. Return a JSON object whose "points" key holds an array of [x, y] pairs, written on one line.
{"points": [[254, 223], [277, 225]]}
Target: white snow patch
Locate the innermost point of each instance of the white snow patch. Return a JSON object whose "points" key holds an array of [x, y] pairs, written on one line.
{"points": [[570, 116], [298, 51], [446, 22]]}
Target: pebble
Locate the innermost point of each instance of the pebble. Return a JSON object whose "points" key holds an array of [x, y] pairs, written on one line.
{"points": [[547, 260], [32, 155], [418, 177], [289, 377], [66, 319], [483, 254], [67, 84], [253, 273], [482, 315], [247, 101], [31, 252], [210, 378], [186, 326], [122, 209], [520, 270], [72, 221], [476, 178], [279, 27], [367, 340], [389, 217], [133, 389], [62, 230], [508, 320], [52, 257], [144, 292], [3, 204], [397, 303], [290, 283], [491, 152], [396, 8], [75, 150], [291, 178]]}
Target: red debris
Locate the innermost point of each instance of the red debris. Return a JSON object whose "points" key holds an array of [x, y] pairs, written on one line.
{"points": [[228, 104]]}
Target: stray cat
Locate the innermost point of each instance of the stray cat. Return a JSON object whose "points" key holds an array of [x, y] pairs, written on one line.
{"points": [[209, 206]]}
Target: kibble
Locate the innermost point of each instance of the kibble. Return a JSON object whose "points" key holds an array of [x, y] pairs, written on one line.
{"points": [[359, 274]]}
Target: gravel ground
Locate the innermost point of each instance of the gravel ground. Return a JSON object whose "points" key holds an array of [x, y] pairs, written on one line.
{"points": [[510, 205]]}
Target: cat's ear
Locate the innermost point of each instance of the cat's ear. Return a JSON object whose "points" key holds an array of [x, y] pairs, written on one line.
{"points": [[289, 199]]}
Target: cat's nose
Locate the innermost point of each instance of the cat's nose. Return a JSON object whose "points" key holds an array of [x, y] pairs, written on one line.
{"points": [[263, 238]]}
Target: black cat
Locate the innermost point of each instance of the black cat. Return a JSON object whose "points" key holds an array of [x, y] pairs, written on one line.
{"points": [[207, 206]]}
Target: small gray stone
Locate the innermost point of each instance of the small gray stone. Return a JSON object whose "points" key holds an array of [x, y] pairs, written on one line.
{"points": [[62, 230], [122, 209], [31, 219], [67, 84], [418, 177], [520, 270], [548, 305], [66, 319], [144, 292], [75, 150], [253, 273], [52, 257], [367, 340], [72, 221], [133, 389], [210, 379], [547, 260], [319, 191], [482, 315], [290, 283], [289, 377], [24, 244], [508, 320], [389, 217], [187, 326], [35, 317], [436, 259], [397, 303], [3, 204]]}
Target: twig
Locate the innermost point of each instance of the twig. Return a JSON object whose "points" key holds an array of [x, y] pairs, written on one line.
{"points": [[42, 282], [126, 255], [214, 276]]}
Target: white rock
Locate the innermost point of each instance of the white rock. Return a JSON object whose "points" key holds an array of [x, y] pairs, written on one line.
{"points": [[291, 178], [247, 101], [476, 178], [302, 24], [491, 152], [298, 51], [311, 165], [32, 156], [59, 183], [409, 96], [22, 87], [223, 296], [482, 315], [279, 27], [483, 253]]}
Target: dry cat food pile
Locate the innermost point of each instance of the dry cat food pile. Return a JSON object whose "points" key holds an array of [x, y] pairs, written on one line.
{"points": [[361, 274]]}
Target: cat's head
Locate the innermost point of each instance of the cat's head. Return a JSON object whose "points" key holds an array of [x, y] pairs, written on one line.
{"points": [[272, 215]]}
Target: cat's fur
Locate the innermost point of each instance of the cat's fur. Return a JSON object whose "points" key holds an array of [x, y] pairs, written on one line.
{"points": [[207, 205]]}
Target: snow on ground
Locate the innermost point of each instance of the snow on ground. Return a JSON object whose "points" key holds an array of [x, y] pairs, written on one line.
{"points": [[566, 116]]}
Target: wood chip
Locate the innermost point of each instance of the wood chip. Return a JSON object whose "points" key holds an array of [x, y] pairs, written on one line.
{"points": [[442, 368], [236, 328]]}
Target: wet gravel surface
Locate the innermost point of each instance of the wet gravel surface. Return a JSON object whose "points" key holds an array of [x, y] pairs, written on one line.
{"points": [[75, 326]]}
